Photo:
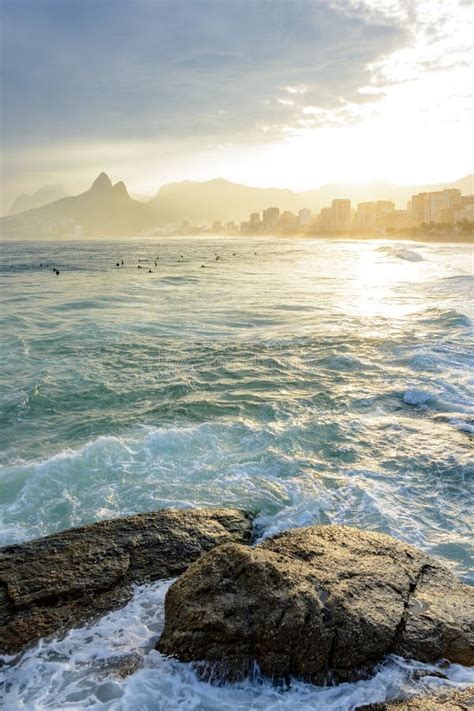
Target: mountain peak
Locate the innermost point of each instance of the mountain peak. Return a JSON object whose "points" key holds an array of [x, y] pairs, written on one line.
{"points": [[120, 189], [102, 182]]}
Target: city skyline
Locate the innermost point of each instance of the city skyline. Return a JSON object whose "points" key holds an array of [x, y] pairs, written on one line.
{"points": [[288, 94], [107, 208]]}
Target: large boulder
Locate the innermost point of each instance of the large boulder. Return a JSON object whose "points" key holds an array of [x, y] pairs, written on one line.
{"points": [[319, 603], [54, 583]]}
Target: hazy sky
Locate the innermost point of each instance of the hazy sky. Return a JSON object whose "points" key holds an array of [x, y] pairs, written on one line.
{"points": [[288, 93]]}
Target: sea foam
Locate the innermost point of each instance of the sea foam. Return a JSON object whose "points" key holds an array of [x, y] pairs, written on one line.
{"points": [[87, 669]]}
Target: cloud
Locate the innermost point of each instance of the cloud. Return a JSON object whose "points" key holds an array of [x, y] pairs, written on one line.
{"points": [[145, 69], [161, 84]]}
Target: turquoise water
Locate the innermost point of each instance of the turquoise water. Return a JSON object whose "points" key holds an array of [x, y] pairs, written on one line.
{"points": [[311, 381]]}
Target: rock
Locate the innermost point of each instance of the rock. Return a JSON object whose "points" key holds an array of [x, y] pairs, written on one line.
{"points": [[318, 603], [444, 700], [121, 665], [52, 584]]}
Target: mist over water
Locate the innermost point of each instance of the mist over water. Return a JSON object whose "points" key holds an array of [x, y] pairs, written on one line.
{"points": [[310, 381]]}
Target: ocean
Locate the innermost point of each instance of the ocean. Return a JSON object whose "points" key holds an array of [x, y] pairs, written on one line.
{"points": [[306, 380]]}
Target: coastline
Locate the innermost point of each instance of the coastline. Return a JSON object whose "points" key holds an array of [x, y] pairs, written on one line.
{"points": [[292, 385], [87, 572], [429, 239]]}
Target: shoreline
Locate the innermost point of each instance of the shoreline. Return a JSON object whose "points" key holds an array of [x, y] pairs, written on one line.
{"points": [[68, 579], [428, 239]]}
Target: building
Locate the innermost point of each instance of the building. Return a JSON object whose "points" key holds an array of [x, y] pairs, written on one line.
{"points": [[325, 222], [373, 216], [231, 228], [365, 217], [341, 215], [436, 207], [252, 225], [398, 220], [270, 219], [304, 217], [288, 222], [464, 214]]}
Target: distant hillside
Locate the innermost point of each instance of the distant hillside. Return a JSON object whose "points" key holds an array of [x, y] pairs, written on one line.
{"points": [[107, 209], [104, 209], [43, 196], [204, 202]]}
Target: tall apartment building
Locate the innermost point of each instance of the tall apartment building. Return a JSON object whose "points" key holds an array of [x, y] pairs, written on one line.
{"points": [[270, 219], [372, 216], [466, 211], [437, 207], [288, 222], [398, 220], [325, 220], [304, 217], [341, 215]]}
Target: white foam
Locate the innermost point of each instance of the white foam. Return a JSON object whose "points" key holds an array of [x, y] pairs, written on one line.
{"points": [[415, 396], [81, 671], [408, 255], [399, 251]]}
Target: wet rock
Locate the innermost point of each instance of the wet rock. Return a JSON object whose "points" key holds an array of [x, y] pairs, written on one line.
{"points": [[444, 700], [51, 584], [319, 603], [121, 665]]}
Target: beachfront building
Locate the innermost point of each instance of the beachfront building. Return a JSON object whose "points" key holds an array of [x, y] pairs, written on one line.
{"points": [[324, 222], [270, 219], [231, 228], [373, 216], [341, 215], [437, 207], [465, 213], [288, 222], [398, 220], [305, 217]]}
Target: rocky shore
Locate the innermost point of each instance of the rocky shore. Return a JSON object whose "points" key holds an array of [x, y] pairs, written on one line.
{"points": [[444, 700], [52, 584], [322, 603]]}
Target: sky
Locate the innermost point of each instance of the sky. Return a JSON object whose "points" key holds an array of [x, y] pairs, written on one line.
{"points": [[281, 93]]}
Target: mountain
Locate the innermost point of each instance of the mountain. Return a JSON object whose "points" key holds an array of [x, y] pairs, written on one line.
{"points": [[465, 185], [104, 209], [108, 210], [205, 202], [43, 196]]}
